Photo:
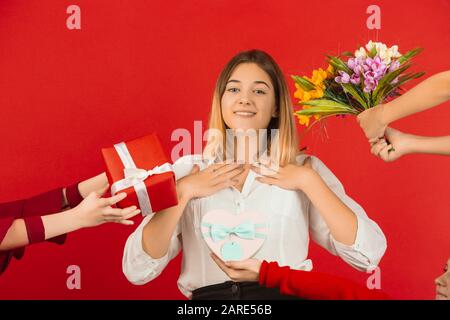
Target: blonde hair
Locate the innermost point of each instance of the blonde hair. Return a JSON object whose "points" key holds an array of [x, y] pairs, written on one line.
{"points": [[285, 147]]}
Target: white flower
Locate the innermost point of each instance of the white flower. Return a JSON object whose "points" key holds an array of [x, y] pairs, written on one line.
{"points": [[384, 54], [370, 45], [379, 46], [394, 52], [360, 53]]}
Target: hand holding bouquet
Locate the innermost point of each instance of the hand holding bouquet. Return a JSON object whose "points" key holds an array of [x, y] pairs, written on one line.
{"points": [[370, 76]]}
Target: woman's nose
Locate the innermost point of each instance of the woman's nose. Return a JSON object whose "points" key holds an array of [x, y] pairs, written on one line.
{"points": [[438, 281], [244, 100]]}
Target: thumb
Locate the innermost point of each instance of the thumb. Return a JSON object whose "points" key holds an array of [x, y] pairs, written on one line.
{"points": [[195, 169]]}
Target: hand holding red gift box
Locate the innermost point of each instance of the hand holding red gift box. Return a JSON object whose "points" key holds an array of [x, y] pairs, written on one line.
{"points": [[141, 169]]}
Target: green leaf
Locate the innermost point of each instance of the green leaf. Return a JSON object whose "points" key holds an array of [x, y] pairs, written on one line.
{"points": [[387, 79], [405, 78], [304, 83], [326, 106], [407, 56], [347, 54], [349, 88], [373, 52], [401, 80], [338, 64]]}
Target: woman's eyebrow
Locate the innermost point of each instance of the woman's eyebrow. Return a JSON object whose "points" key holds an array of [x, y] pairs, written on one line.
{"points": [[262, 82], [256, 82]]}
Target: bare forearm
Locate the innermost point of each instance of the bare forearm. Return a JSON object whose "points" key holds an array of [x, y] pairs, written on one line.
{"points": [[432, 145], [93, 184], [87, 186], [54, 225], [427, 94], [158, 231], [341, 221]]}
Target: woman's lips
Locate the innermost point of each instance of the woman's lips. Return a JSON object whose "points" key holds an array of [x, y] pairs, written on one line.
{"points": [[245, 114]]}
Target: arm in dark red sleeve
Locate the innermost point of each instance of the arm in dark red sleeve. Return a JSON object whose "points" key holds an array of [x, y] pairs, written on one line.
{"points": [[9, 211], [314, 285], [52, 202]]}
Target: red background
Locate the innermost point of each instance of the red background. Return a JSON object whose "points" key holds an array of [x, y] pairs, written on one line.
{"points": [[142, 66]]}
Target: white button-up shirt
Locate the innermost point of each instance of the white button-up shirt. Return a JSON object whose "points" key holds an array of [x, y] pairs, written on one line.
{"points": [[291, 218]]}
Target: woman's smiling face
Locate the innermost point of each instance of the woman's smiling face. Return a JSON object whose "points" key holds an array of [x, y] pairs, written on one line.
{"points": [[249, 98]]}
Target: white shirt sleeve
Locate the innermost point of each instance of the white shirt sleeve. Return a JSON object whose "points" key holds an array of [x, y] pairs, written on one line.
{"points": [[370, 244], [137, 265]]}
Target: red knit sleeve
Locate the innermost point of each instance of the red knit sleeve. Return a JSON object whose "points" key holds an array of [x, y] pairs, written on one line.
{"points": [[31, 210], [315, 285], [9, 211], [43, 204]]}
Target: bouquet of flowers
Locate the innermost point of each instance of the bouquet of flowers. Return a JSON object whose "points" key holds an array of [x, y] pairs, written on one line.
{"points": [[350, 85]]}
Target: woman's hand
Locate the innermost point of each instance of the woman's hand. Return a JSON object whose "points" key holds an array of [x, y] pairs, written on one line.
{"points": [[393, 147], [372, 123], [290, 177], [204, 183], [94, 210], [238, 271]]}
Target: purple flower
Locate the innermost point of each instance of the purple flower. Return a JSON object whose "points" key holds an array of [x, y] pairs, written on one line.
{"points": [[370, 81], [342, 78], [355, 78], [376, 65], [394, 66], [394, 81], [356, 64]]}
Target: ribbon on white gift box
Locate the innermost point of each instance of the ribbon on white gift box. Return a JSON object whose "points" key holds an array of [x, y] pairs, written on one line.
{"points": [[135, 177]]}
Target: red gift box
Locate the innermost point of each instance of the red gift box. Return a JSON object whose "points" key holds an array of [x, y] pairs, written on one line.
{"points": [[145, 153]]}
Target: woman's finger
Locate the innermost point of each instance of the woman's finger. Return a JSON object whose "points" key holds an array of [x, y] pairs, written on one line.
{"points": [[227, 168], [113, 200], [220, 263], [131, 214], [384, 152], [214, 167], [376, 148], [118, 212], [224, 185], [125, 222]]}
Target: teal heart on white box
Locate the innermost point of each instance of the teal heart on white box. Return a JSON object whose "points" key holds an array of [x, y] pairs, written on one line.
{"points": [[234, 236]]}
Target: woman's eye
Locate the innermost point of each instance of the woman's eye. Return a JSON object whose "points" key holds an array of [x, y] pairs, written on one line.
{"points": [[257, 91], [233, 90]]}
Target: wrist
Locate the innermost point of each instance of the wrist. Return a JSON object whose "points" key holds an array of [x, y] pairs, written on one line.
{"points": [[76, 219], [307, 178], [184, 196], [384, 115], [412, 143]]}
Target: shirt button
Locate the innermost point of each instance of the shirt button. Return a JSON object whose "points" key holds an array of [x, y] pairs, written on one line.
{"points": [[234, 288]]}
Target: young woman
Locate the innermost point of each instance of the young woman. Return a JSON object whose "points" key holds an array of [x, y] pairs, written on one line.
{"points": [[51, 215], [302, 196], [389, 144]]}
